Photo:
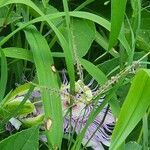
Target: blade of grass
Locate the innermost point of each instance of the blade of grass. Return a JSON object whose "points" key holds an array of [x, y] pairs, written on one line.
{"points": [[136, 15], [71, 51], [4, 74], [84, 4], [47, 77], [133, 109], [64, 44], [145, 132], [103, 42], [85, 15], [117, 16], [132, 42], [19, 53], [94, 71]]}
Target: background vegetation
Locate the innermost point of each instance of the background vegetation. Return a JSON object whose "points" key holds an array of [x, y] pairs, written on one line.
{"points": [[104, 40]]}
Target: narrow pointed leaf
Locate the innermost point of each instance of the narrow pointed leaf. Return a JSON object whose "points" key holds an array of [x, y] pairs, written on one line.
{"points": [[48, 78], [94, 71], [117, 16], [4, 74], [133, 109]]}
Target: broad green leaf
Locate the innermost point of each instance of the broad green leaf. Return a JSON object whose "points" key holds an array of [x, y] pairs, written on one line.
{"points": [[117, 16], [94, 71], [133, 146], [83, 34], [24, 140], [133, 109], [48, 78]]}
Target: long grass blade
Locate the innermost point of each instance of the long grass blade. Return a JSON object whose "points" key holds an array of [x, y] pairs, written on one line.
{"points": [[133, 109], [47, 77], [4, 74], [117, 16]]}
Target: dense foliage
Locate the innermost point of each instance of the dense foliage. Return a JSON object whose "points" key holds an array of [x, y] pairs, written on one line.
{"points": [[74, 74]]}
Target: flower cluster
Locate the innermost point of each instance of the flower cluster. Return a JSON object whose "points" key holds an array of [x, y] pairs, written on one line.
{"points": [[99, 131]]}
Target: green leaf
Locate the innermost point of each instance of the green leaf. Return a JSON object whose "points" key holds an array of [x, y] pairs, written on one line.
{"points": [[63, 42], [133, 146], [94, 71], [83, 32], [145, 19], [145, 132], [133, 109], [7, 17], [47, 78], [104, 44], [4, 74], [143, 40], [85, 15], [19, 53], [136, 15], [24, 140], [69, 54], [10, 106], [117, 16], [109, 65]]}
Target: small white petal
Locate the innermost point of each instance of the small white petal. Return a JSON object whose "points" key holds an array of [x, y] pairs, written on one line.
{"points": [[16, 123]]}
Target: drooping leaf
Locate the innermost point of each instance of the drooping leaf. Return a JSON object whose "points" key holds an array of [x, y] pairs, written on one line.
{"points": [[47, 78], [19, 53], [24, 140], [133, 109], [68, 53]]}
